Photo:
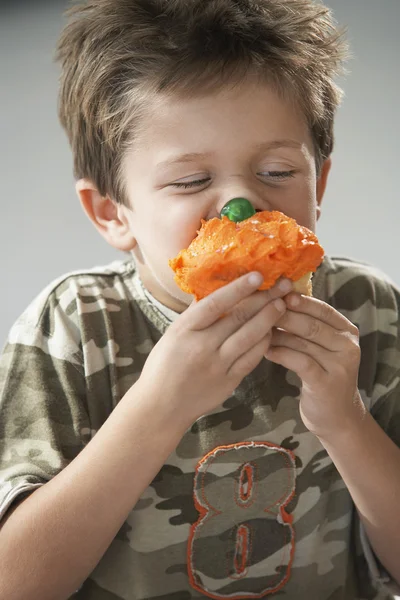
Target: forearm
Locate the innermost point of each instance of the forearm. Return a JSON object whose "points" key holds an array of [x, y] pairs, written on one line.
{"points": [[369, 463], [60, 532]]}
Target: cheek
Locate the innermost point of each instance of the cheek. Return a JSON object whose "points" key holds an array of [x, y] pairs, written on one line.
{"points": [[303, 204], [176, 231]]}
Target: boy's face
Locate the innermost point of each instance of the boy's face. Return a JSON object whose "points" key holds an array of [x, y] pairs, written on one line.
{"points": [[197, 154]]}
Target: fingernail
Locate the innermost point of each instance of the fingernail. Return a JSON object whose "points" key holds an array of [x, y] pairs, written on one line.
{"points": [[279, 304], [255, 279], [295, 300], [285, 285]]}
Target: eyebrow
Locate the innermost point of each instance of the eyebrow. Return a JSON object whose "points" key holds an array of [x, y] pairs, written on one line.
{"points": [[192, 156]]}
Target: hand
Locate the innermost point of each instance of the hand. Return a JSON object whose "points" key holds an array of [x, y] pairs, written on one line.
{"points": [[322, 347], [212, 346]]}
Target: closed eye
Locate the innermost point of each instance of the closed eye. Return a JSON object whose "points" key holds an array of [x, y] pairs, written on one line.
{"points": [[273, 175], [278, 174], [188, 184]]}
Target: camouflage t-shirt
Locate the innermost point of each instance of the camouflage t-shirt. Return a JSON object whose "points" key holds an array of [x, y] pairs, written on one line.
{"points": [[249, 505]]}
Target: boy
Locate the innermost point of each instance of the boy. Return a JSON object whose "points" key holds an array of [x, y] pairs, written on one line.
{"points": [[150, 447]]}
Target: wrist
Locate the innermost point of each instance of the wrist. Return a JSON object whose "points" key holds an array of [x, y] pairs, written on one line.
{"points": [[156, 407], [347, 428]]}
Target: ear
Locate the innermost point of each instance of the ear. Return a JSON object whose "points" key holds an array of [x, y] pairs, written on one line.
{"points": [[106, 215], [321, 184]]}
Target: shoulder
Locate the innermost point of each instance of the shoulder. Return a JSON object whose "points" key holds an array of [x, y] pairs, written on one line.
{"points": [[370, 300], [62, 307], [351, 285], [367, 297]]}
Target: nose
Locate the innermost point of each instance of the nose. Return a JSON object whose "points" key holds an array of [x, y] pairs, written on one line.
{"points": [[238, 191]]}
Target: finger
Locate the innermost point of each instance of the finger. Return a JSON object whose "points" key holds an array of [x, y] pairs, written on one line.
{"points": [[245, 310], [282, 339], [309, 371], [248, 361], [320, 310], [313, 329], [209, 310], [250, 334]]}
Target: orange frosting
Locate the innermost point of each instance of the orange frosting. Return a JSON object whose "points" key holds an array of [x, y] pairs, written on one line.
{"points": [[268, 242]]}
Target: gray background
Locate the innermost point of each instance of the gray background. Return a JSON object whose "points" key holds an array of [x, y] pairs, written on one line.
{"points": [[44, 233]]}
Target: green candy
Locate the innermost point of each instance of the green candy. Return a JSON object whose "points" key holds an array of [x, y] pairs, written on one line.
{"points": [[238, 209]]}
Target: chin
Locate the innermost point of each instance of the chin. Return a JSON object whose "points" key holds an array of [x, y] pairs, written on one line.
{"points": [[180, 299], [166, 291]]}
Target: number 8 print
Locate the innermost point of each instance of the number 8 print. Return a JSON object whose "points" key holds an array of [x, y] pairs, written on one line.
{"points": [[243, 542]]}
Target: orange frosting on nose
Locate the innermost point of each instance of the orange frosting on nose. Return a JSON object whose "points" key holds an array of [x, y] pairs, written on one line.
{"points": [[268, 242]]}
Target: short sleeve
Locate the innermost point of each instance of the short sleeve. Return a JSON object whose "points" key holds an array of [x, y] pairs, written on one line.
{"points": [[383, 343], [385, 400], [43, 416], [370, 300]]}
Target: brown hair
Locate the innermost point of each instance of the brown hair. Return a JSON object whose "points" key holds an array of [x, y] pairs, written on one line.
{"points": [[117, 54]]}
